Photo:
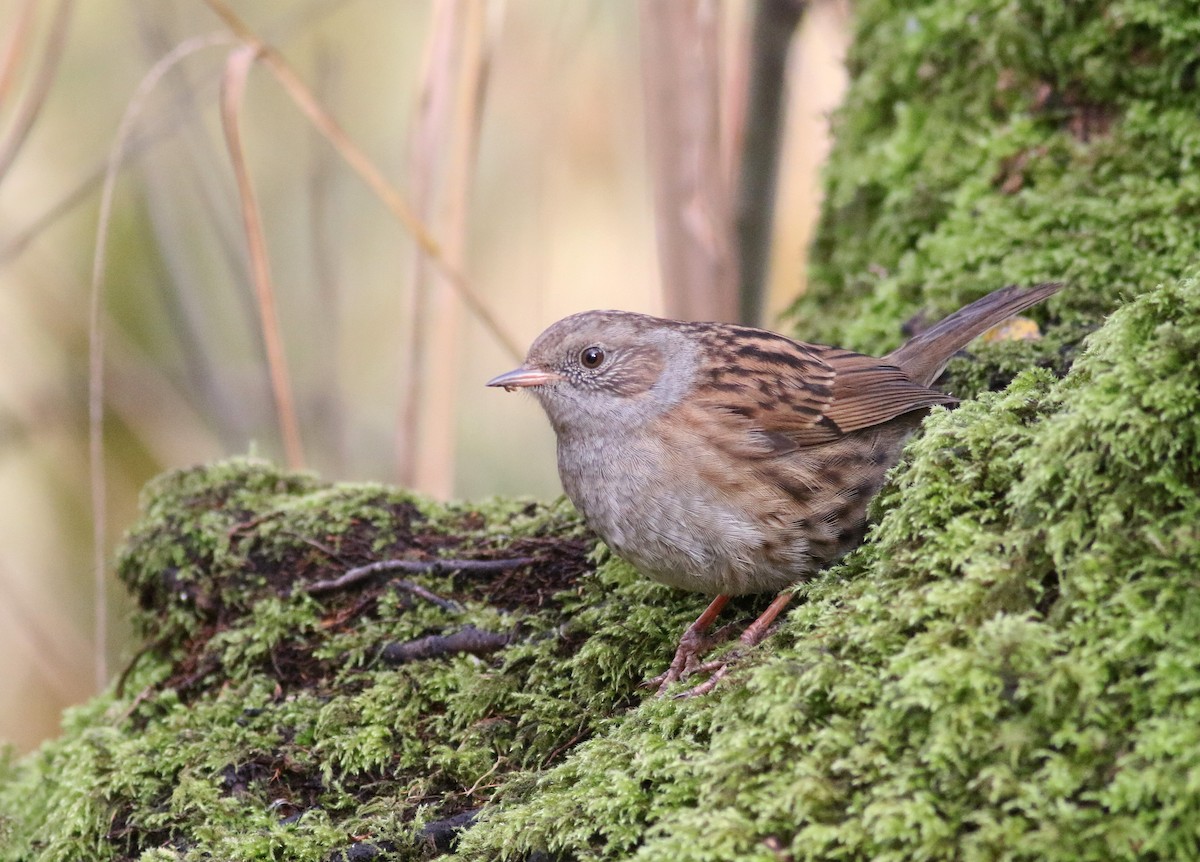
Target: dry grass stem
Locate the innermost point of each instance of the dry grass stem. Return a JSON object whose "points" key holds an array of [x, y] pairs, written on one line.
{"points": [[233, 91], [432, 133], [96, 340], [441, 168], [13, 49], [435, 468], [358, 161], [325, 252], [683, 131]]}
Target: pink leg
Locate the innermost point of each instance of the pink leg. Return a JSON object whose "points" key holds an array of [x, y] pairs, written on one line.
{"points": [[757, 630]]}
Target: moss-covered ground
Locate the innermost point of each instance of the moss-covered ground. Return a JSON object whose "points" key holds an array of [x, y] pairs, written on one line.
{"points": [[1008, 668]]}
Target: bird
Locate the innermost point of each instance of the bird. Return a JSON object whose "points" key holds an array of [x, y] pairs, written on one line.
{"points": [[726, 459]]}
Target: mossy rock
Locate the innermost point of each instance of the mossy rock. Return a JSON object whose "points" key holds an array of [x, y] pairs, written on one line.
{"points": [[1007, 668]]}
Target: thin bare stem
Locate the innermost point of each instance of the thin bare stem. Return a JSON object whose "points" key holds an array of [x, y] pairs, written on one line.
{"points": [[116, 158], [31, 105], [233, 90], [358, 161], [432, 132]]}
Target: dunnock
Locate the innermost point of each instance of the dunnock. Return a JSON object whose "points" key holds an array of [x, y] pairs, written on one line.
{"points": [[729, 460]]}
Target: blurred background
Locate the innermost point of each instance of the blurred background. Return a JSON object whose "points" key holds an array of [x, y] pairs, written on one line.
{"points": [[558, 156]]}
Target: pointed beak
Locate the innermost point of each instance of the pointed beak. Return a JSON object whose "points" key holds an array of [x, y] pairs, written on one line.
{"points": [[524, 378]]}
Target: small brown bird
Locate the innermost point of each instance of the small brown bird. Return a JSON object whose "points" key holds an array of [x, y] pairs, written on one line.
{"points": [[730, 460]]}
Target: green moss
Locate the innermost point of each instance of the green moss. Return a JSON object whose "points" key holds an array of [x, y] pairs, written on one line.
{"points": [[983, 144]]}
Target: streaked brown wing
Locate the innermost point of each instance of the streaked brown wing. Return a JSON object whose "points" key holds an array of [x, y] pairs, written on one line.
{"points": [[780, 395], [867, 391]]}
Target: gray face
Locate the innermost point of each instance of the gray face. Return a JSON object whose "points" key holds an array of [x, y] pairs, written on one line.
{"points": [[601, 371]]}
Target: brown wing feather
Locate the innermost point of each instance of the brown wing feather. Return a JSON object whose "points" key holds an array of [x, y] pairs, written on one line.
{"points": [[781, 395], [867, 391]]}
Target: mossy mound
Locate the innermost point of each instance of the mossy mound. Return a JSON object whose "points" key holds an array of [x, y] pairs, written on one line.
{"points": [[276, 714]]}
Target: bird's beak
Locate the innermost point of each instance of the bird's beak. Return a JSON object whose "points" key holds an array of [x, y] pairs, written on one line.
{"points": [[524, 378]]}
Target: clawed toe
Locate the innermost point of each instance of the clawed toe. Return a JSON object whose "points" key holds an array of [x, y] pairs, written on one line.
{"points": [[697, 640], [716, 671], [686, 661]]}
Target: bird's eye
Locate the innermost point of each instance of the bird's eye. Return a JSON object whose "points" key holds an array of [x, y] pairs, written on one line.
{"points": [[591, 357]]}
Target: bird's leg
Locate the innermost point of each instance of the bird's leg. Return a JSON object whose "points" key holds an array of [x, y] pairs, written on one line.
{"points": [[751, 637], [692, 644], [757, 630]]}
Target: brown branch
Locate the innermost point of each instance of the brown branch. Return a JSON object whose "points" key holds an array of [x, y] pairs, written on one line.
{"points": [[468, 640], [414, 567]]}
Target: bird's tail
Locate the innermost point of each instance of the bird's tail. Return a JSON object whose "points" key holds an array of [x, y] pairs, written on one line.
{"points": [[923, 357]]}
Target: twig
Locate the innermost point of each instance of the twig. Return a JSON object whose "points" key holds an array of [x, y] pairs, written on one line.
{"points": [[141, 697], [313, 543], [428, 595], [146, 649], [414, 567], [570, 743], [469, 640]]}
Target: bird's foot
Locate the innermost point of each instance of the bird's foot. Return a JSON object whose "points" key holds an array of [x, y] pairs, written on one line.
{"points": [[697, 640], [692, 647], [716, 670], [689, 665]]}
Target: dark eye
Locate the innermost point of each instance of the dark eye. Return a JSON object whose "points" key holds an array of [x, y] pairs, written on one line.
{"points": [[591, 357]]}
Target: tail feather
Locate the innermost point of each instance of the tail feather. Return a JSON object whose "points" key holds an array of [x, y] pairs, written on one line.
{"points": [[923, 357]]}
